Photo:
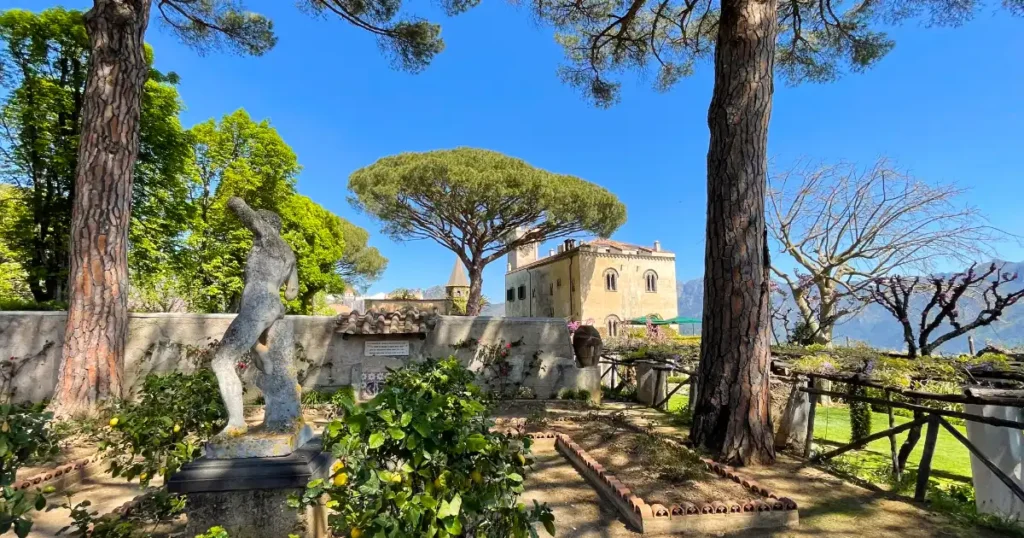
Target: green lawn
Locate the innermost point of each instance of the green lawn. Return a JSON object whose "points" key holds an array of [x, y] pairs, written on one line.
{"points": [[951, 461]]}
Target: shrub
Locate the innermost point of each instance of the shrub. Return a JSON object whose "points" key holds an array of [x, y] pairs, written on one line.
{"points": [[158, 505], [176, 413], [317, 397], [24, 437], [582, 395], [860, 413], [420, 460], [28, 305]]}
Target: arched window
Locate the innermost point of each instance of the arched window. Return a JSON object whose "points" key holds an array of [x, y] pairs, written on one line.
{"points": [[611, 280], [612, 323], [651, 281]]}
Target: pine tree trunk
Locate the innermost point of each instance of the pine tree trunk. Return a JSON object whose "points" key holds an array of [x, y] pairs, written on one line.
{"points": [[97, 326], [732, 413], [476, 280]]}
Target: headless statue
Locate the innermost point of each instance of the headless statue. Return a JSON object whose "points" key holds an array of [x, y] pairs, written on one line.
{"points": [[270, 265]]}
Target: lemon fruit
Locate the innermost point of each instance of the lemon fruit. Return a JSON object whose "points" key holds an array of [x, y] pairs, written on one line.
{"points": [[113, 422], [477, 477], [356, 533], [340, 479]]}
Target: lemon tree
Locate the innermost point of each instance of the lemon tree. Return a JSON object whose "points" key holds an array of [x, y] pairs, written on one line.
{"points": [[24, 436], [166, 428], [419, 460]]}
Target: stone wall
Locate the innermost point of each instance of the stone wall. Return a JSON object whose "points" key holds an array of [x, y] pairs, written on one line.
{"points": [[327, 358]]}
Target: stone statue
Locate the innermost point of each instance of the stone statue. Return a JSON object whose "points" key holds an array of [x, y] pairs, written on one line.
{"points": [[586, 343], [270, 265]]}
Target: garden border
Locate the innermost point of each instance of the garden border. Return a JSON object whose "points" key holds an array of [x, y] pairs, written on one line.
{"points": [[62, 476], [714, 517]]}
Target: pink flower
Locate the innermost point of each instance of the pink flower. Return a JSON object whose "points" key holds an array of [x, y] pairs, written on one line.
{"points": [[242, 365], [508, 345]]}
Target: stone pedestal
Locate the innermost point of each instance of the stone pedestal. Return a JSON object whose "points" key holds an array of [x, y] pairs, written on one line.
{"points": [[259, 442], [248, 496], [1003, 447], [792, 430], [651, 382]]}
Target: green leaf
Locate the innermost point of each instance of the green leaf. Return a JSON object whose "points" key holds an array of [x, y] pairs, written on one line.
{"points": [[450, 508], [406, 419], [456, 504], [22, 527], [422, 428], [40, 502], [396, 433], [476, 442], [453, 526], [549, 525], [515, 477], [376, 440]]}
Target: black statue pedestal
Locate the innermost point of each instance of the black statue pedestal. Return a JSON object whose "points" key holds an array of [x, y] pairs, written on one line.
{"points": [[249, 496]]}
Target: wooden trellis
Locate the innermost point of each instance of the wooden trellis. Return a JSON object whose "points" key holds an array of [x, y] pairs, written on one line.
{"points": [[929, 417]]}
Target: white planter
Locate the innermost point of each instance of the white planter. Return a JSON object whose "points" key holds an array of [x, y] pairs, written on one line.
{"points": [[1005, 448]]}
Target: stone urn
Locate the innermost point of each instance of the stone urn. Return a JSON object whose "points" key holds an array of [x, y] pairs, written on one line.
{"points": [[586, 343]]}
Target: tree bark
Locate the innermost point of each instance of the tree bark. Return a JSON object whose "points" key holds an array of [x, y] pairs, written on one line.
{"points": [[732, 414], [97, 326], [476, 280]]}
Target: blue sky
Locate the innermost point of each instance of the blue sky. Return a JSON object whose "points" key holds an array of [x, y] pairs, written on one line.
{"points": [[947, 104]]}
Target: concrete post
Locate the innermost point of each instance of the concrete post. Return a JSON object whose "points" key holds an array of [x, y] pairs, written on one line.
{"points": [[792, 430]]}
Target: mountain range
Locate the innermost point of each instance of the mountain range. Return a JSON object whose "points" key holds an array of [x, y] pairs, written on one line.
{"points": [[875, 326]]}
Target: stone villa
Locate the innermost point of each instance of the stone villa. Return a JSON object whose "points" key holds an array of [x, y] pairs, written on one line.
{"points": [[603, 281]]}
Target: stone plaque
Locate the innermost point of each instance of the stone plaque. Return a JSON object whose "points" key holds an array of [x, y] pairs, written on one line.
{"points": [[386, 348]]}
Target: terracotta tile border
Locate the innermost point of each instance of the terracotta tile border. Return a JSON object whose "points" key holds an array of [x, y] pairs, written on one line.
{"points": [[62, 476], [769, 511]]}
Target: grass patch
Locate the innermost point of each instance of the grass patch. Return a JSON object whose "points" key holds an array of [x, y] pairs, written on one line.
{"points": [[951, 461]]}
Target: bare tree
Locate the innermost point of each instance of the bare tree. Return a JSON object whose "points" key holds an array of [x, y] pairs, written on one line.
{"points": [[943, 308], [844, 227], [780, 312]]}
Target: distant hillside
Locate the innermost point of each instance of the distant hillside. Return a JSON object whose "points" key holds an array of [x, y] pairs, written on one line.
{"points": [[493, 310], [876, 327]]}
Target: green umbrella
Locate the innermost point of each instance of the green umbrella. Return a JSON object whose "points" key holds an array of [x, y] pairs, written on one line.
{"points": [[673, 321]]}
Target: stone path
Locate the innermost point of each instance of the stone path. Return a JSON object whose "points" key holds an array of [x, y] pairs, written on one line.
{"points": [[104, 492], [579, 510]]}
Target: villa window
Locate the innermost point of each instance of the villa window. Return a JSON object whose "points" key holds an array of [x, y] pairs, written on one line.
{"points": [[611, 280], [651, 281], [551, 289], [510, 295], [522, 293], [612, 323]]}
